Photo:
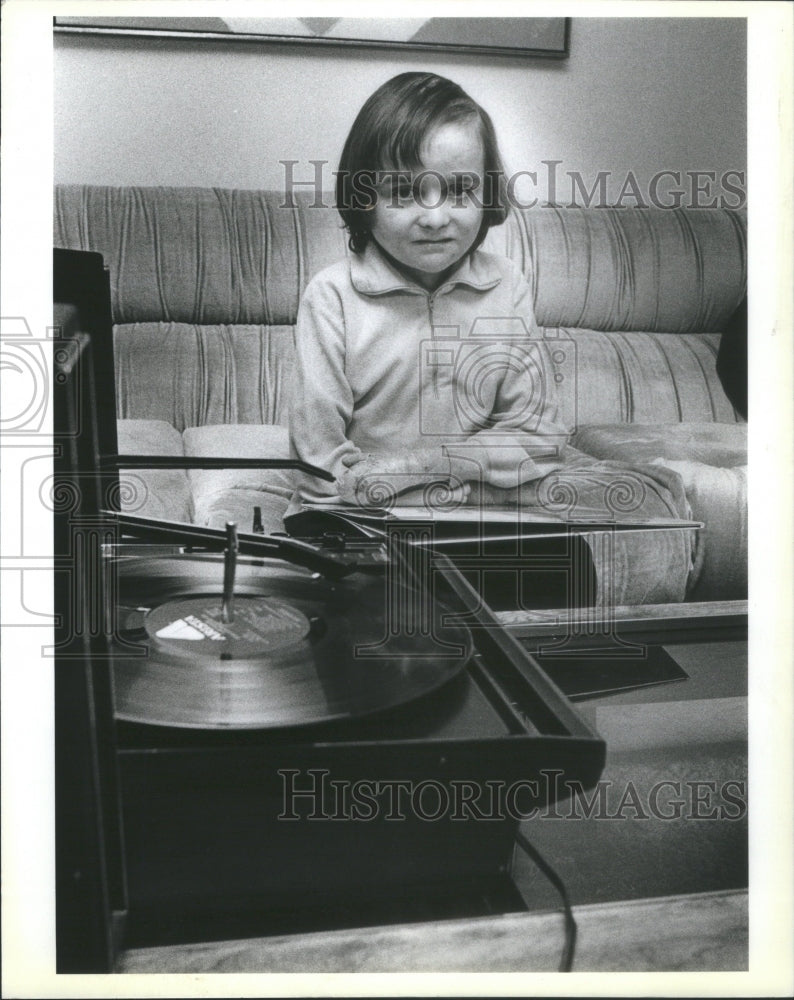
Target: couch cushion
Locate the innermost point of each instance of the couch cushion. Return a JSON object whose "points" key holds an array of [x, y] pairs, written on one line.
{"points": [[713, 444], [669, 270], [201, 255], [231, 494], [718, 498], [192, 375], [711, 460], [214, 255], [189, 375], [635, 377], [163, 494]]}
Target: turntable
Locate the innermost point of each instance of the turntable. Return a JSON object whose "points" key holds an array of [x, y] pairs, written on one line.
{"points": [[291, 757]]}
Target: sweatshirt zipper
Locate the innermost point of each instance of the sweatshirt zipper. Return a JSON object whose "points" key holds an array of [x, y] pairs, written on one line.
{"points": [[430, 318]]}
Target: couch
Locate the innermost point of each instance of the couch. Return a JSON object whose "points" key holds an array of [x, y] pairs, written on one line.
{"points": [[205, 288]]}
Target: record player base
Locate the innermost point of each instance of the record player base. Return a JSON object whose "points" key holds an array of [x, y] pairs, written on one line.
{"points": [[210, 853], [649, 895]]}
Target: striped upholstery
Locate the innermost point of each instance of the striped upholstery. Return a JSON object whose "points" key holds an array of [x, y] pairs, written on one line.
{"points": [[190, 375], [206, 283], [200, 255], [680, 271], [644, 378]]}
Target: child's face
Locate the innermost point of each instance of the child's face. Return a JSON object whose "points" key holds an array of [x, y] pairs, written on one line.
{"points": [[428, 228]]}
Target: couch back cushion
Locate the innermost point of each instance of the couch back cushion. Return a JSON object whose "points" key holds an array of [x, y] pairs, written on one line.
{"points": [[195, 374], [200, 255], [205, 287], [209, 255], [664, 270], [650, 378], [191, 375]]}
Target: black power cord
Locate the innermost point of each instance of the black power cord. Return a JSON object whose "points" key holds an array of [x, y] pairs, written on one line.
{"points": [[569, 946]]}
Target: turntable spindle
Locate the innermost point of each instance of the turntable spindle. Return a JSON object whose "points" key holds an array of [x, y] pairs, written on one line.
{"points": [[229, 570]]}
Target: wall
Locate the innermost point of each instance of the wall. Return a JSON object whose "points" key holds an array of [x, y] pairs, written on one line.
{"points": [[636, 95]]}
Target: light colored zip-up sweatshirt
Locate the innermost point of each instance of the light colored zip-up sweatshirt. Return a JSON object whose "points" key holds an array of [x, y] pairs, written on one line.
{"points": [[461, 373]]}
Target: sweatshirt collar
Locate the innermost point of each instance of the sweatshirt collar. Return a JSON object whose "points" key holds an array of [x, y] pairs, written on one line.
{"points": [[372, 274]]}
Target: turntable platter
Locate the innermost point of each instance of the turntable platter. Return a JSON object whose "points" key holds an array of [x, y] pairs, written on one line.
{"points": [[299, 650]]}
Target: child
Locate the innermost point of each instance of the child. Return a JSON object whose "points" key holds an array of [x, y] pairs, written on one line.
{"points": [[388, 393], [418, 359]]}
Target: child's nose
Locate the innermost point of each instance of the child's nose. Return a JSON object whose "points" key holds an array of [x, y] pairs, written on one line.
{"points": [[434, 212], [434, 218]]}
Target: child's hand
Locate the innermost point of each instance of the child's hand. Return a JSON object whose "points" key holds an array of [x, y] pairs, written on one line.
{"points": [[435, 496], [383, 480], [485, 495]]}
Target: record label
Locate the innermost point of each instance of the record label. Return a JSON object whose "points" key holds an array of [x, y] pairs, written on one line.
{"points": [[260, 625]]}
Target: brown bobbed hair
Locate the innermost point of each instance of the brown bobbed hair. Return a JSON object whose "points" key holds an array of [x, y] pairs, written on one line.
{"points": [[388, 134]]}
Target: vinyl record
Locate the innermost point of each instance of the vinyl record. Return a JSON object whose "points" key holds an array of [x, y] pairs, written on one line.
{"points": [[299, 650]]}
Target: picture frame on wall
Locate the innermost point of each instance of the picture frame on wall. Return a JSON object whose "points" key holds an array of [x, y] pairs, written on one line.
{"points": [[544, 37]]}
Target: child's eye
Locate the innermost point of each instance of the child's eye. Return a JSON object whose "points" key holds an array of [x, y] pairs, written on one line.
{"points": [[396, 190], [464, 184], [398, 194]]}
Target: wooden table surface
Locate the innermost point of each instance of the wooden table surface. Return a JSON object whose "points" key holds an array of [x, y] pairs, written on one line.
{"points": [[702, 932]]}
